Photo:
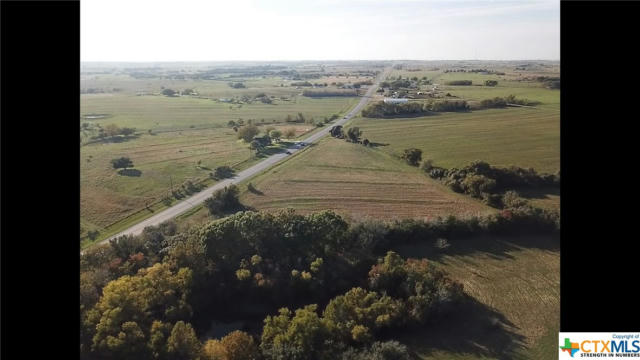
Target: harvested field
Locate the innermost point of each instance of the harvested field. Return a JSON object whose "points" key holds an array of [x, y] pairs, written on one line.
{"points": [[357, 182]]}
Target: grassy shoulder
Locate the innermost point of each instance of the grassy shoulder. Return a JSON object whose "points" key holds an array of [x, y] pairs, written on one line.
{"points": [[158, 206]]}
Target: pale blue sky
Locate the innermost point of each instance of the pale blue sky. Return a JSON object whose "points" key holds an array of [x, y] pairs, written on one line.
{"points": [[200, 30]]}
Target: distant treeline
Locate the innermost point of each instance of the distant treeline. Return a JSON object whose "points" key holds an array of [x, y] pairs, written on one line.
{"points": [[549, 82], [98, 90], [476, 71], [382, 109], [499, 102], [326, 93], [459, 82]]}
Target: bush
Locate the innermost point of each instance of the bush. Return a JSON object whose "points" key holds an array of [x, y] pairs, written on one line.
{"points": [[496, 102], [223, 172], [248, 132], [491, 83], [426, 290], [437, 173], [223, 201], [511, 199], [426, 165], [412, 156]]}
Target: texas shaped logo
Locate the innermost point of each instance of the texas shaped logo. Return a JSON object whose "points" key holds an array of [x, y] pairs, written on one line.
{"points": [[570, 347]]}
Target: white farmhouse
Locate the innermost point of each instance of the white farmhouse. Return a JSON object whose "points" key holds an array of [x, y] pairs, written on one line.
{"points": [[395, 101]]}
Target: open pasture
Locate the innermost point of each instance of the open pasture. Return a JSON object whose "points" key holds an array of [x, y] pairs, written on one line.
{"points": [[357, 182], [514, 306], [515, 136]]}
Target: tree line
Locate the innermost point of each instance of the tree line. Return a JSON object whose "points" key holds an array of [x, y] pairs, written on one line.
{"points": [[152, 296], [495, 186], [381, 109]]}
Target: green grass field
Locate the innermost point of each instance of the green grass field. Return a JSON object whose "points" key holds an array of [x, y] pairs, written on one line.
{"points": [[161, 113], [357, 182], [513, 310], [184, 130], [515, 136]]}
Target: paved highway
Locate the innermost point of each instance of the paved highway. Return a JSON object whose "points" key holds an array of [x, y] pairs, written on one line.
{"points": [[200, 197]]}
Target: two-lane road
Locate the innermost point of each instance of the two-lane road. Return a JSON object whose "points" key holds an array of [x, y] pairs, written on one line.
{"points": [[200, 197]]}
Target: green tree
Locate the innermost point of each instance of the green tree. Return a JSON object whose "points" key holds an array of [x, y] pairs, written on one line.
{"points": [[127, 131], [354, 133], [412, 156], [183, 342], [223, 172], [122, 163], [275, 135], [247, 133], [130, 304], [223, 200], [359, 313], [111, 130], [168, 92], [290, 133], [296, 337]]}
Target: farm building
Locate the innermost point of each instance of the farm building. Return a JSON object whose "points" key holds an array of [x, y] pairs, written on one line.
{"points": [[395, 101]]}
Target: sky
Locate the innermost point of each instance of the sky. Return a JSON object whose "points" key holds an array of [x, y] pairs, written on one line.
{"points": [[272, 30]]}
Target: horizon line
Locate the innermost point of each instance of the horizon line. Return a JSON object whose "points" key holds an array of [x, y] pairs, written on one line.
{"points": [[292, 60]]}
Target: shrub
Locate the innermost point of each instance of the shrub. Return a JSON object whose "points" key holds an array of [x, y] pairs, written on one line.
{"points": [[425, 289], [491, 82], [168, 92], [412, 156], [496, 102], [248, 132], [223, 200], [426, 165], [223, 172], [511, 199]]}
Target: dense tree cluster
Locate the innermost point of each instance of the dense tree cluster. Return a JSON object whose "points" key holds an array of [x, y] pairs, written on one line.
{"points": [[499, 102], [222, 172], [248, 132], [459, 82], [328, 93], [223, 201], [549, 82], [153, 296], [412, 156], [237, 85], [301, 83], [382, 109], [483, 181]]}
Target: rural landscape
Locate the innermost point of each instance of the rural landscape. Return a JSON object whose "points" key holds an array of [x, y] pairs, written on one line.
{"points": [[320, 180], [320, 209]]}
